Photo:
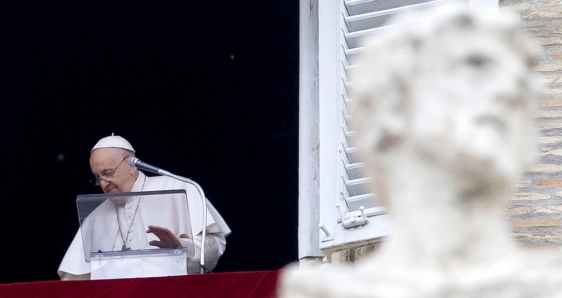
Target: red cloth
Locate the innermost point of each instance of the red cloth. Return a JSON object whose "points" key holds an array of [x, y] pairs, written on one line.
{"points": [[256, 284]]}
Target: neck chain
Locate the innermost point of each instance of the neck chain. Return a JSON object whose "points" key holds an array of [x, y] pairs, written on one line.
{"points": [[125, 239]]}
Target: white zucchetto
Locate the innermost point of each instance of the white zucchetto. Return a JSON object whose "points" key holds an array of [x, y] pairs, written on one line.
{"points": [[113, 142]]}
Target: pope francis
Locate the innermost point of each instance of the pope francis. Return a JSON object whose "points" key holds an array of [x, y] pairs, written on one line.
{"points": [[123, 221]]}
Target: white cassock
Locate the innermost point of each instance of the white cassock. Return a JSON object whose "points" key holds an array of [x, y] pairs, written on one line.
{"points": [[109, 232]]}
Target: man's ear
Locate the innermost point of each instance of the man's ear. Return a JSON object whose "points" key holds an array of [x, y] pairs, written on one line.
{"points": [[132, 170]]}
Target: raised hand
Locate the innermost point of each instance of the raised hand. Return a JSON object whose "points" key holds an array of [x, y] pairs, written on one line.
{"points": [[167, 238]]}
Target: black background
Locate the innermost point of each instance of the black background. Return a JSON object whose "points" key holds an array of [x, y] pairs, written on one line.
{"points": [[203, 89]]}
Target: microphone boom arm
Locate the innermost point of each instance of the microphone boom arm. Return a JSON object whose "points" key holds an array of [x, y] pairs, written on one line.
{"points": [[135, 162], [204, 204]]}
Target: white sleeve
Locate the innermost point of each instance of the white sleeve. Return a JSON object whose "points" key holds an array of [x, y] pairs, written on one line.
{"points": [[215, 245], [74, 264]]}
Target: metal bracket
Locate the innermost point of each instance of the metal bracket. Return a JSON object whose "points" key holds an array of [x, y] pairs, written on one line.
{"points": [[326, 235], [352, 220]]}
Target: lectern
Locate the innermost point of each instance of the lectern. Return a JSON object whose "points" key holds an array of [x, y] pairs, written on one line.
{"points": [[114, 235]]}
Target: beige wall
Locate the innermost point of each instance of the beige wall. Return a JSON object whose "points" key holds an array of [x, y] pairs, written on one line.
{"points": [[535, 211]]}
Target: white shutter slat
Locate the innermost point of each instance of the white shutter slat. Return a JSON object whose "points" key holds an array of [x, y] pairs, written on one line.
{"points": [[354, 38], [357, 187], [360, 7], [354, 170], [366, 201]]}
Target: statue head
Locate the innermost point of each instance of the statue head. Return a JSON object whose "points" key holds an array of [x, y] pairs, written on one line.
{"points": [[451, 87]]}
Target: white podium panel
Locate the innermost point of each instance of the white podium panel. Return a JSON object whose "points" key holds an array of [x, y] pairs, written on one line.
{"points": [[142, 263]]}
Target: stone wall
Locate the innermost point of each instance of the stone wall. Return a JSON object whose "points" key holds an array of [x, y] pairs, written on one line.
{"points": [[535, 210]]}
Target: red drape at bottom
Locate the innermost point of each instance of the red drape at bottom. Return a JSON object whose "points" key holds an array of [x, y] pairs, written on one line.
{"points": [[252, 284]]}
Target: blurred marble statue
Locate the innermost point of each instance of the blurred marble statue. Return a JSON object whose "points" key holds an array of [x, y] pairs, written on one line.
{"points": [[442, 109]]}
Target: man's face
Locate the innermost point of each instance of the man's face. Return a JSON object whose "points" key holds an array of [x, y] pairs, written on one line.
{"points": [[472, 110], [109, 165]]}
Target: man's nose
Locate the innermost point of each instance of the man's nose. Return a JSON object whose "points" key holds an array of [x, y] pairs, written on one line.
{"points": [[103, 184]]}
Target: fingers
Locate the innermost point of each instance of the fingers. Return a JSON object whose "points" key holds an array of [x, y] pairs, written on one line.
{"points": [[167, 239], [158, 231], [155, 243], [152, 229]]}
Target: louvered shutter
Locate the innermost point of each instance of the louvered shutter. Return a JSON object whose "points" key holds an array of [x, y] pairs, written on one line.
{"points": [[346, 211], [359, 221]]}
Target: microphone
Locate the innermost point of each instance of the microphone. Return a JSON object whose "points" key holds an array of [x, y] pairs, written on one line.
{"points": [[141, 165]]}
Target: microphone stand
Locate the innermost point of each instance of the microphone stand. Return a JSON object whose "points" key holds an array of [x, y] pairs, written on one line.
{"points": [[204, 203]]}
